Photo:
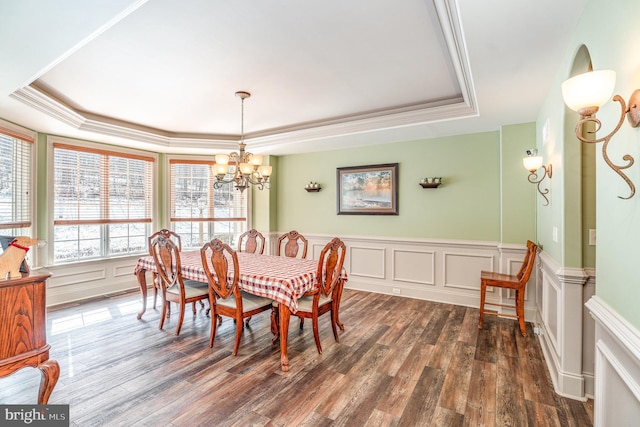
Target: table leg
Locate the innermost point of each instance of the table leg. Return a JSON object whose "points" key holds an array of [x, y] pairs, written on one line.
{"points": [[142, 282], [50, 373], [284, 315]]}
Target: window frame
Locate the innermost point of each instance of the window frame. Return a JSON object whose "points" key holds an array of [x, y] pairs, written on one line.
{"points": [[190, 159], [87, 146], [29, 136]]}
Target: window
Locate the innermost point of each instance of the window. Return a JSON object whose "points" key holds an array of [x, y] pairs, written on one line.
{"points": [[102, 203], [199, 212], [16, 171]]}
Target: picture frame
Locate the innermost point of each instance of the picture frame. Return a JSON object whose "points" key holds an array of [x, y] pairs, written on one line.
{"points": [[367, 190]]}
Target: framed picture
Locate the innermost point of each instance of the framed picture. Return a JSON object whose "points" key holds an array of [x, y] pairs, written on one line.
{"points": [[368, 190]]}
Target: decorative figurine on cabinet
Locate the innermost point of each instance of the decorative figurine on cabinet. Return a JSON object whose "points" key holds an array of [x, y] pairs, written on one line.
{"points": [[12, 259]]}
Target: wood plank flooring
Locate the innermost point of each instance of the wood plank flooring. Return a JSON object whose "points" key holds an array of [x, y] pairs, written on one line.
{"points": [[399, 362]]}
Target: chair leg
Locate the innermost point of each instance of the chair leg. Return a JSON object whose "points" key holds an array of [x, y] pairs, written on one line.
{"points": [[155, 295], [163, 316], [239, 326], [246, 322], [193, 307], [180, 319], [520, 311], [214, 326], [301, 323], [275, 324], [483, 289], [334, 324], [316, 334]]}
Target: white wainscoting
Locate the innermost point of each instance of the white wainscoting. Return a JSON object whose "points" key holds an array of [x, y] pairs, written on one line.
{"points": [[437, 270], [78, 281], [566, 332], [617, 359]]}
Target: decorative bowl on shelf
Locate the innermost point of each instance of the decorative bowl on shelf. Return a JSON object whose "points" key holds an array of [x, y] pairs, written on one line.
{"points": [[312, 187], [430, 182]]}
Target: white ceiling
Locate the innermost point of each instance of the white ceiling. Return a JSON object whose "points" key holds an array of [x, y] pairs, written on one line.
{"points": [[161, 74]]}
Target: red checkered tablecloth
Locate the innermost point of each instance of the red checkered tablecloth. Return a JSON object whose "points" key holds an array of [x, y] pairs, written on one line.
{"points": [[279, 278]]}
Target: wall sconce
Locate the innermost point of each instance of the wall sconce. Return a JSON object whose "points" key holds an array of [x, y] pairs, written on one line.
{"points": [[586, 93], [532, 162]]}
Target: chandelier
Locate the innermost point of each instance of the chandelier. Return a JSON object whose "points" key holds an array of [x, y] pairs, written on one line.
{"points": [[248, 167]]}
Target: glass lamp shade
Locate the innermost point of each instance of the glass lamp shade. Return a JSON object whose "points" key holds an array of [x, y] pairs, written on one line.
{"points": [[532, 163], [221, 169], [222, 159], [246, 168], [265, 171], [256, 160], [592, 89]]}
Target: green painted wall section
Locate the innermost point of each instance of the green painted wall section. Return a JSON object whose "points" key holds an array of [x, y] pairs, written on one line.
{"points": [[467, 205], [264, 202], [588, 152], [608, 29], [519, 197]]}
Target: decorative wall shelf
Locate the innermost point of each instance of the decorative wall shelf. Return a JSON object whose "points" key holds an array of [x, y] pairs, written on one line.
{"points": [[434, 182], [430, 184], [312, 187]]}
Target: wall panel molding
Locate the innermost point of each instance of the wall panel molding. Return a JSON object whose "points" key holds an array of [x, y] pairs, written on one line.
{"points": [[566, 336], [617, 367]]}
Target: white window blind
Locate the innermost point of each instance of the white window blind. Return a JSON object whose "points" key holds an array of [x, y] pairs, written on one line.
{"points": [[198, 212], [102, 202], [16, 151], [97, 187]]}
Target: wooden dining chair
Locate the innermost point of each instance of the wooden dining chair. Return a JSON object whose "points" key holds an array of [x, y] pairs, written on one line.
{"points": [[255, 242], [225, 296], [290, 243], [166, 255], [178, 241], [325, 295], [517, 282]]}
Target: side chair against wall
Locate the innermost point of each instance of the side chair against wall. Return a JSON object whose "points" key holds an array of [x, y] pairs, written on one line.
{"points": [[255, 242], [225, 296], [325, 295], [178, 241], [166, 255], [289, 241], [516, 282]]}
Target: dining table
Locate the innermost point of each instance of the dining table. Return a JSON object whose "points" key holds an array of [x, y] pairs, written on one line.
{"points": [[282, 279]]}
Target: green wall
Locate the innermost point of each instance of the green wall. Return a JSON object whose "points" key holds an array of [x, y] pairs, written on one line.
{"points": [[608, 29], [519, 200], [468, 206]]}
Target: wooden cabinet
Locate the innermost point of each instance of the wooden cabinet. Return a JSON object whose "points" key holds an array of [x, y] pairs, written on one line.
{"points": [[23, 330]]}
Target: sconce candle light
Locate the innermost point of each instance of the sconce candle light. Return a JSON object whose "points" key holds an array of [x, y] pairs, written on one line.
{"points": [[532, 162], [586, 93]]}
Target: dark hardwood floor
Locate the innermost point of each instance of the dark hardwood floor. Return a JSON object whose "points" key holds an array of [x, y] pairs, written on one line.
{"points": [[399, 362]]}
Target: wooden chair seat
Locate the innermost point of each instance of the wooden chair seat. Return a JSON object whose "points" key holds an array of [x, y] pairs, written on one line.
{"points": [[517, 282], [250, 302], [306, 303], [192, 289]]}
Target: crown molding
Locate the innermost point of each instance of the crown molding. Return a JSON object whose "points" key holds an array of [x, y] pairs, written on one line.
{"points": [[462, 106]]}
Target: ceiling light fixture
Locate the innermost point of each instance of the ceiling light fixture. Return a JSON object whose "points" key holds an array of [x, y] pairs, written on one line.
{"points": [[248, 169], [532, 162], [586, 93]]}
